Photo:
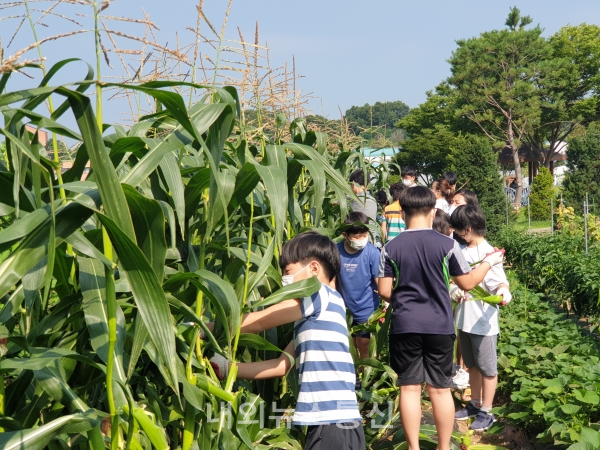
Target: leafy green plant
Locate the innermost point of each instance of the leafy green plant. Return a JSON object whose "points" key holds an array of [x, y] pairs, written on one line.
{"points": [[476, 164], [104, 292], [549, 369], [556, 265]]}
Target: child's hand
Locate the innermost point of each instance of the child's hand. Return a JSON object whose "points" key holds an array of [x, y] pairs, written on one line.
{"points": [[494, 258], [220, 365], [506, 295], [384, 312], [457, 294]]}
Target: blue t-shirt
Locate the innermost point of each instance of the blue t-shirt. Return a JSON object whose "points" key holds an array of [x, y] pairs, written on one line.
{"points": [[357, 281], [325, 366]]}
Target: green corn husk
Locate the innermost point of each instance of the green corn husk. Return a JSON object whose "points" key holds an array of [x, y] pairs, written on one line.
{"points": [[478, 293]]}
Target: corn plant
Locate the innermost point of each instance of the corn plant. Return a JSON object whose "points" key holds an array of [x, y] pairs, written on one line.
{"points": [[105, 290]]}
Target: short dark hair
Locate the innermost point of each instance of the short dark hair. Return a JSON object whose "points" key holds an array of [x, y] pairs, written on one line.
{"points": [[358, 177], [311, 245], [469, 196], [441, 222], [353, 219], [395, 190], [409, 171], [381, 197], [450, 177], [469, 216], [417, 201]]}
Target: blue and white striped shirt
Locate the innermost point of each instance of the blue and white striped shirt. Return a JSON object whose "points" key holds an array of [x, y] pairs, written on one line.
{"points": [[325, 366]]}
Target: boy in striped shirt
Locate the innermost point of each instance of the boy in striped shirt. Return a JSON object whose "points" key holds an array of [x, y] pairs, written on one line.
{"points": [[326, 400], [393, 224]]}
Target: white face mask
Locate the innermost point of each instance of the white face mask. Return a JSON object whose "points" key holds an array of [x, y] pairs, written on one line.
{"points": [[407, 182], [289, 279], [452, 209], [358, 244]]}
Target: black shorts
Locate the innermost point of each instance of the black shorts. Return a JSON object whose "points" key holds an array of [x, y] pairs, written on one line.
{"points": [[347, 436], [422, 358], [361, 334]]}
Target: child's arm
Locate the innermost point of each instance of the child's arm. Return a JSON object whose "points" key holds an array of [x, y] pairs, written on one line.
{"points": [[384, 287], [469, 280], [272, 368], [285, 312]]}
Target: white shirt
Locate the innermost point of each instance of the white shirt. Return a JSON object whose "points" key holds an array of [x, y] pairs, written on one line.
{"points": [[476, 316], [442, 203]]}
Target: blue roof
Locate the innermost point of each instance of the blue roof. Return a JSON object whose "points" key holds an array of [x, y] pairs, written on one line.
{"points": [[381, 151]]}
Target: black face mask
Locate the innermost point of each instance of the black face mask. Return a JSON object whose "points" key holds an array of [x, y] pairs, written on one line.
{"points": [[458, 239]]}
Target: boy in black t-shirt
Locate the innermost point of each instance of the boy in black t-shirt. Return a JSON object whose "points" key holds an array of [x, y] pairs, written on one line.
{"points": [[422, 329]]}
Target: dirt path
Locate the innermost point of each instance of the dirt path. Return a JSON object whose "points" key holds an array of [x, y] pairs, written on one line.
{"points": [[511, 437]]}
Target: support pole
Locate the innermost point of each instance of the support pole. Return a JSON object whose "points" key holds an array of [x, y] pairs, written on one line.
{"points": [[552, 214], [506, 205], [585, 230]]}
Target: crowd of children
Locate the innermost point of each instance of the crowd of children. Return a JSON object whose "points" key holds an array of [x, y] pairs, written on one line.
{"points": [[433, 253]]}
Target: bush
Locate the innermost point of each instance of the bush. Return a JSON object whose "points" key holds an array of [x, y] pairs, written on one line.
{"points": [[476, 165], [541, 193], [556, 265]]}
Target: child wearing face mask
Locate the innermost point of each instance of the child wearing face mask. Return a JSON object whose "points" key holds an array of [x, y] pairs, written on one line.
{"points": [[409, 176], [358, 277], [326, 403], [477, 321]]}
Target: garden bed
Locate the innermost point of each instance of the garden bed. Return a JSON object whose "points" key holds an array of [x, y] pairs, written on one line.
{"points": [[549, 368]]}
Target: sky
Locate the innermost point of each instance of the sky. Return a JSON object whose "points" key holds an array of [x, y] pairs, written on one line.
{"points": [[349, 52]]}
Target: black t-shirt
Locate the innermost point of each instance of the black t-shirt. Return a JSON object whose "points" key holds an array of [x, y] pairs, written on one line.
{"points": [[425, 260]]}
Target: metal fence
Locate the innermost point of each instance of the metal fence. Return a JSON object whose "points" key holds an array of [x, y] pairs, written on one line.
{"points": [[584, 210], [511, 194]]}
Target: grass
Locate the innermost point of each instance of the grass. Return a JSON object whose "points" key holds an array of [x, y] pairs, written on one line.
{"points": [[520, 222]]}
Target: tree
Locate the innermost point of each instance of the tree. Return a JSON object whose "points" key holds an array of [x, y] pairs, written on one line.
{"points": [[430, 129], [583, 161], [541, 193], [64, 153], [381, 114], [435, 111], [573, 90], [476, 164], [496, 78], [427, 152]]}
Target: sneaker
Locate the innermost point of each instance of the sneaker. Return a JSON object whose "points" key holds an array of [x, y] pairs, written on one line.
{"points": [[483, 421], [455, 367], [461, 379], [468, 411]]}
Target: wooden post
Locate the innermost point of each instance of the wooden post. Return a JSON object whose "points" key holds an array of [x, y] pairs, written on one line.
{"points": [[530, 167]]}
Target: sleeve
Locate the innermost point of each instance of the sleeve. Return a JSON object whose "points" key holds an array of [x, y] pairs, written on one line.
{"points": [[374, 263], [386, 269], [494, 278], [311, 306], [384, 215], [457, 264]]}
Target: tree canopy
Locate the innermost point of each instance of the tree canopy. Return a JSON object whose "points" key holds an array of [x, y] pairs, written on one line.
{"points": [[584, 169], [475, 162], [496, 78], [381, 114], [511, 86]]}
